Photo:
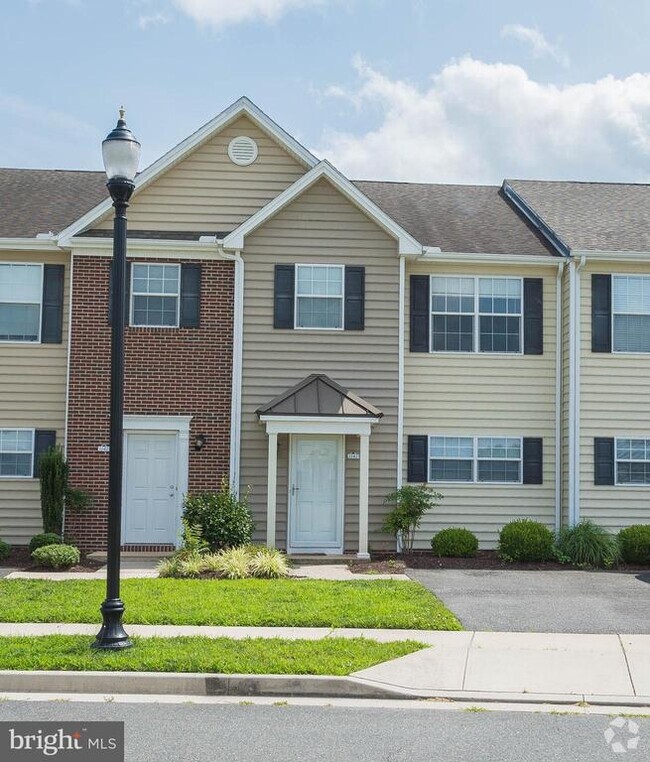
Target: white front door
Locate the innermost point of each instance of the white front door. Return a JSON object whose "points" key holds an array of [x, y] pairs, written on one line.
{"points": [[316, 494], [150, 510]]}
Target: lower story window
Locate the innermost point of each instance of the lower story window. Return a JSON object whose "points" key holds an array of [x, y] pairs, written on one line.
{"points": [[633, 461], [16, 452], [475, 459]]}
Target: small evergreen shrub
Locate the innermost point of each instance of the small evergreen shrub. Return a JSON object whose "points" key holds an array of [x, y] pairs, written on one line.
{"points": [[454, 542], [525, 540], [634, 542], [5, 549], [411, 503], [57, 556], [224, 520], [41, 540], [587, 544]]}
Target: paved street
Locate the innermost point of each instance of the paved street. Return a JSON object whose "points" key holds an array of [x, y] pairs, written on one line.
{"points": [[225, 733], [541, 601]]}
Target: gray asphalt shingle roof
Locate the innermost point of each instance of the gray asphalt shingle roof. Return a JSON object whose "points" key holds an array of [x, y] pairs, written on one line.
{"points": [[591, 216]]}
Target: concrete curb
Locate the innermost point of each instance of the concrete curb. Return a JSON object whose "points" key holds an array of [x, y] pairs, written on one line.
{"points": [[280, 686]]}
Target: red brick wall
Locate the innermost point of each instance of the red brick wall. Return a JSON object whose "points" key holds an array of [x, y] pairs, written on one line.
{"points": [[169, 371]]}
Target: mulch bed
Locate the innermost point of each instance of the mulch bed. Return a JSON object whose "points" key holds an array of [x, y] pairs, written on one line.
{"points": [[484, 559], [20, 560]]}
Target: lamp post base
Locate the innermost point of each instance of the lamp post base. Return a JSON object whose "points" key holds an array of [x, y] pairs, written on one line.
{"points": [[112, 635]]}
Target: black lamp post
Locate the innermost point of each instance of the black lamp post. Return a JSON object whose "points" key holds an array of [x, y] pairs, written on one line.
{"points": [[121, 154]]}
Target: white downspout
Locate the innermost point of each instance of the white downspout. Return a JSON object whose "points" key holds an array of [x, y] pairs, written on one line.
{"points": [[237, 350], [400, 384], [572, 384], [576, 416], [558, 395]]}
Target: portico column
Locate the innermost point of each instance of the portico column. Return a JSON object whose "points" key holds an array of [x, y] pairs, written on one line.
{"points": [[364, 467], [271, 482]]}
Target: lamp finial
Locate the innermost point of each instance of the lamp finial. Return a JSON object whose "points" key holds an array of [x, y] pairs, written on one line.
{"points": [[122, 112]]}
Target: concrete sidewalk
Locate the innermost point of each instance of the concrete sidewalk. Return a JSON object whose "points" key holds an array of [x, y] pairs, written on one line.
{"points": [[481, 666]]}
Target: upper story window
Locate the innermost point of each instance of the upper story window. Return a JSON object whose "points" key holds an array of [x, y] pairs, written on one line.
{"points": [[476, 314], [475, 459], [631, 313], [155, 291], [21, 292], [319, 296], [16, 452]]}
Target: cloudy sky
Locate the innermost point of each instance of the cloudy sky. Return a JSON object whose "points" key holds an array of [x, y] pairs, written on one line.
{"points": [[464, 91]]}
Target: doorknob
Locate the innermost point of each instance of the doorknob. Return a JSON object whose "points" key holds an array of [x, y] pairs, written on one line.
{"points": [[294, 489]]}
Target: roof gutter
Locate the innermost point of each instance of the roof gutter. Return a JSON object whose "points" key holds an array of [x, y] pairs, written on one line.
{"points": [[434, 254], [41, 242]]}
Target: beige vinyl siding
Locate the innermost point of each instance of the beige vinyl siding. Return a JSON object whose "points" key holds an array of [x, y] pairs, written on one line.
{"points": [[614, 395], [566, 325], [207, 192], [321, 226], [32, 396], [480, 394]]}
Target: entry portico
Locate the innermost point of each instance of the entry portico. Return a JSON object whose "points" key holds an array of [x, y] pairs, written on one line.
{"points": [[317, 415]]}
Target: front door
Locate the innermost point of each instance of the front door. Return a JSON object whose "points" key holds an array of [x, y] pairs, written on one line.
{"points": [[316, 494], [151, 494]]}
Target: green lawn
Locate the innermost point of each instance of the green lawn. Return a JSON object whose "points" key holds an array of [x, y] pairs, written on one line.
{"points": [[300, 603], [332, 656]]}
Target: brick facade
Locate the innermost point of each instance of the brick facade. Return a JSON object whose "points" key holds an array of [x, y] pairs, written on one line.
{"points": [[169, 371]]}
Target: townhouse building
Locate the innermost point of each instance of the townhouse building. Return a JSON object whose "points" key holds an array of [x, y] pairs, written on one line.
{"points": [[319, 342]]}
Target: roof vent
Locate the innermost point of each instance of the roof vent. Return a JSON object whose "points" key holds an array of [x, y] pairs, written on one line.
{"points": [[242, 150]]}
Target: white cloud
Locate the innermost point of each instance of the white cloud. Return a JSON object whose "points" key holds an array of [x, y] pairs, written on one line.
{"points": [[539, 45], [153, 19], [479, 122], [56, 121], [220, 13]]}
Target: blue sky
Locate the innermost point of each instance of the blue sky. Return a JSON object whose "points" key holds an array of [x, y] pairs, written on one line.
{"points": [[422, 90]]}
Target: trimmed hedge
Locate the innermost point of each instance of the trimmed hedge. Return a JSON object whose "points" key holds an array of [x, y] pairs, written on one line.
{"points": [[635, 544], [525, 540], [57, 556], [41, 540], [454, 542]]}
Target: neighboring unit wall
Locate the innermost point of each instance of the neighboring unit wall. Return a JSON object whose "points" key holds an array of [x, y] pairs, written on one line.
{"points": [[207, 193], [321, 227], [615, 390], [169, 371], [483, 394], [32, 395]]}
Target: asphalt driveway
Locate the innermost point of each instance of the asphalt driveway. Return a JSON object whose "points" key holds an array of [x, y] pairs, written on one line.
{"points": [[543, 601]]}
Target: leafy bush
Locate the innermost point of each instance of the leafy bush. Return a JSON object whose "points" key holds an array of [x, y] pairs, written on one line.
{"points": [[455, 542], [57, 556], [634, 542], [411, 503], [5, 549], [53, 472], [587, 544], [224, 520], [525, 540], [41, 540]]}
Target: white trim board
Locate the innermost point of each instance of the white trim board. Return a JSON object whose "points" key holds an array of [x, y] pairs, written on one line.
{"points": [[314, 425]]}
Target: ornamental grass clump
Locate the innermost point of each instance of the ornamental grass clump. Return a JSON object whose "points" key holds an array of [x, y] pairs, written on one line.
{"points": [[587, 544], [233, 563], [525, 540]]}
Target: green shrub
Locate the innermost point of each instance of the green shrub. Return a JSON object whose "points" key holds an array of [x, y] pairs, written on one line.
{"points": [[411, 503], [225, 521], [587, 544], [53, 472], [5, 549], [634, 542], [41, 540], [455, 542], [525, 540], [57, 556]]}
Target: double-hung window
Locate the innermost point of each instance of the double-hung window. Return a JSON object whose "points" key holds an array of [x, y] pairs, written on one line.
{"points": [[155, 291], [476, 314], [16, 452], [21, 292], [633, 461], [319, 296], [631, 313], [475, 459]]}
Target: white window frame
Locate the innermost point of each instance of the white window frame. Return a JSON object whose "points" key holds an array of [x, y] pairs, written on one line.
{"points": [[476, 315], [611, 327], [14, 452], [475, 459], [133, 294], [317, 296], [40, 305], [618, 483]]}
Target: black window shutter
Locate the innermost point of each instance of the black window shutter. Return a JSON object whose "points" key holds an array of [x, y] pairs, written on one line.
{"points": [[604, 460], [420, 313], [533, 316], [355, 287], [283, 296], [417, 458], [601, 313], [43, 440], [533, 472], [190, 295], [127, 296], [52, 312]]}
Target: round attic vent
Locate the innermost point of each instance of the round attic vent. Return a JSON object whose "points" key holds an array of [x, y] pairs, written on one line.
{"points": [[242, 150]]}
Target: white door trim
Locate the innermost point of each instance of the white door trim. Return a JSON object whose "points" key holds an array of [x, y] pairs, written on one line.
{"points": [[338, 549], [171, 424]]}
